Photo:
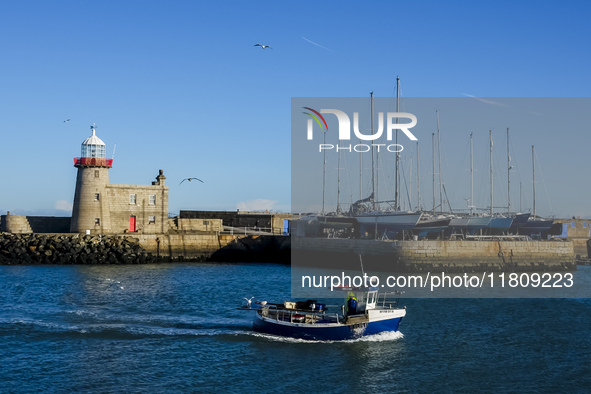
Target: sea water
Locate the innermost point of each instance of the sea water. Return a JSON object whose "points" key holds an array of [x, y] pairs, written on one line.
{"points": [[176, 328]]}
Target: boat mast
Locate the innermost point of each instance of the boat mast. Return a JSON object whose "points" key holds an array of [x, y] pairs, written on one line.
{"points": [[339, 179], [323, 173], [508, 175], [433, 145], [409, 191], [520, 190], [471, 178], [491, 173], [397, 185], [373, 184], [418, 179], [533, 166], [360, 173], [376, 198], [439, 158]]}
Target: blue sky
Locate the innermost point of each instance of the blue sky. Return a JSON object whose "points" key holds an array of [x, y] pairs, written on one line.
{"points": [[179, 86]]}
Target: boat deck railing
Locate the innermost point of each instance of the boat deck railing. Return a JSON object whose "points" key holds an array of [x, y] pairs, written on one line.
{"points": [[298, 315], [498, 237]]}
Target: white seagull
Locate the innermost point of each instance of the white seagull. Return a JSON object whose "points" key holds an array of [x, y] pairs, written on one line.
{"points": [[263, 46], [248, 301], [191, 179], [66, 121]]}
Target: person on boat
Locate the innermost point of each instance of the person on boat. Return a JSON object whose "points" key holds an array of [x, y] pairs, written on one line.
{"points": [[351, 304]]}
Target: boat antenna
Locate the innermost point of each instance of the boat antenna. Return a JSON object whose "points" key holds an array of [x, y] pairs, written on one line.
{"points": [[361, 262]]}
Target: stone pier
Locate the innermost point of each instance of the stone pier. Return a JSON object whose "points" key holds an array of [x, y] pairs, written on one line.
{"points": [[435, 256]]}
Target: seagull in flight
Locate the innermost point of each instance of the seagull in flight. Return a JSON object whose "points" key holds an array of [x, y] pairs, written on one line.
{"points": [[66, 121], [191, 179], [263, 46], [248, 301]]}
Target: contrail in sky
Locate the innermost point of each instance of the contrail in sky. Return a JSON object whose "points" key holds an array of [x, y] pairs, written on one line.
{"points": [[318, 45], [499, 104], [484, 100]]}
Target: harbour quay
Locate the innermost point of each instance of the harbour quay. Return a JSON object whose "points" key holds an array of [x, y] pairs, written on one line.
{"points": [[434, 255]]}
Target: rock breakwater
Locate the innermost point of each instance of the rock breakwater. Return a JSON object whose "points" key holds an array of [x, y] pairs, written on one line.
{"points": [[28, 249]]}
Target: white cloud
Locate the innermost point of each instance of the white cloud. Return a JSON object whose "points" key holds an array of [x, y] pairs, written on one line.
{"points": [[259, 204], [63, 205]]}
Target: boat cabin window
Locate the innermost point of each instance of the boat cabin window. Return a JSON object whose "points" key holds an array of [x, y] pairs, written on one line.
{"points": [[371, 299]]}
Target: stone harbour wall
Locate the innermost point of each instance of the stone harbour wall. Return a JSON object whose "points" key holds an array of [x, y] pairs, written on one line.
{"points": [[435, 256], [140, 248]]}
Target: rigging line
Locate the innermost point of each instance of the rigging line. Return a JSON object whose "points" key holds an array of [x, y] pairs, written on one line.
{"points": [[482, 179], [462, 170], [515, 160], [446, 166], [502, 180], [544, 183], [405, 183]]}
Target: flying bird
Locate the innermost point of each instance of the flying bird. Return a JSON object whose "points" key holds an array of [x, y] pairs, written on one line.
{"points": [[248, 301], [263, 46], [66, 121], [191, 179]]}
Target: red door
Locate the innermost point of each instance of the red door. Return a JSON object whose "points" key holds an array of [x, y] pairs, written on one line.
{"points": [[132, 223]]}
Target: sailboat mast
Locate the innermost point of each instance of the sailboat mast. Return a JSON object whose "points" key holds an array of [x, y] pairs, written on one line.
{"points": [[491, 173], [520, 194], [360, 173], [508, 175], [409, 191], [533, 166], [339, 179], [433, 145], [376, 198], [323, 173], [373, 184], [439, 158], [397, 185], [418, 179], [471, 178]]}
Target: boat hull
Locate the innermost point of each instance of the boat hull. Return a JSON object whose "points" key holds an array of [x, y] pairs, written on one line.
{"points": [[499, 225], [536, 228], [388, 224], [327, 331]]}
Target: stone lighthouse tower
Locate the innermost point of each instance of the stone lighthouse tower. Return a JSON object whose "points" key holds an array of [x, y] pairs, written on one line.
{"points": [[90, 210]]}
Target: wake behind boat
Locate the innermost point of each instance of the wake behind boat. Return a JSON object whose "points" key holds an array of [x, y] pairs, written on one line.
{"points": [[361, 315]]}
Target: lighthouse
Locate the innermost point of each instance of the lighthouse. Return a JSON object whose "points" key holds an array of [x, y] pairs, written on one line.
{"points": [[103, 208], [90, 210]]}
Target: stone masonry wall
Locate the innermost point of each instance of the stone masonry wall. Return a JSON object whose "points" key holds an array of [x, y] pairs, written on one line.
{"points": [[16, 224], [466, 256], [121, 209]]}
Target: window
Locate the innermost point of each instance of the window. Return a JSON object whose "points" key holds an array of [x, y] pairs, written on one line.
{"points": [[96, 196], [132, 198], [97, 222], [151, 219], [206, 222], [96, 173], [152, 200]]}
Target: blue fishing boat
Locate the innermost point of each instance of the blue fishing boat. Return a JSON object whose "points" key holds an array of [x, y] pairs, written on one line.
{"points": [[361, 315]]}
